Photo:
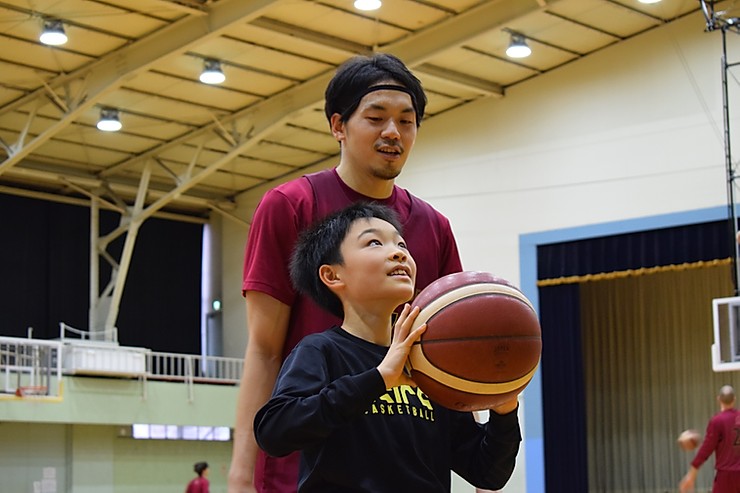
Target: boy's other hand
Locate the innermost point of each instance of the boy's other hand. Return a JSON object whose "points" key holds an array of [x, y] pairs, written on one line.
{"points": [[508, 406]]}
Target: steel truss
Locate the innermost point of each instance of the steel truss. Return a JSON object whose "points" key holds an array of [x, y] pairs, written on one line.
{"points": [[717, 20]]}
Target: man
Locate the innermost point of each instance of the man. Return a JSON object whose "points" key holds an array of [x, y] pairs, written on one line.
{"points": [[374, 106], [722, 438]]}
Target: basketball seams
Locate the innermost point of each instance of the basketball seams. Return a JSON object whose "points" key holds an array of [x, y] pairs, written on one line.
{"points": [[522, 338], [476, 324], [466, 291], [423, 365]]}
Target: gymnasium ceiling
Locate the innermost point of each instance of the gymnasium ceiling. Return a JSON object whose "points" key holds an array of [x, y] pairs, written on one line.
{"points": [[189, 148]]}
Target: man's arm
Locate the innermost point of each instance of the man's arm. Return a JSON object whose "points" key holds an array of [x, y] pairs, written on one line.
{"points": [[267, 325], [688, 481]]}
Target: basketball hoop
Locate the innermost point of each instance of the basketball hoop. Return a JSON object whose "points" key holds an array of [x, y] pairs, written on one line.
{"points": [[728, 18], [31, 390]]}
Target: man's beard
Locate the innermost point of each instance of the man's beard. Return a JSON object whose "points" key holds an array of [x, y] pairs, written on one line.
{"points": [[388, 172]]}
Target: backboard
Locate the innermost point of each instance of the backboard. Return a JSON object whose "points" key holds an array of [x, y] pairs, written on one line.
{"points": [[726, 346]]}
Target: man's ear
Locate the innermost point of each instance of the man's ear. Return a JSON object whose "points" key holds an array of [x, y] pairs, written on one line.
{"points": [[337, 127], [330, 277]]}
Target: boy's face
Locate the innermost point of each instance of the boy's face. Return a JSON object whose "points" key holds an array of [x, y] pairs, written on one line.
{"points": [[379, 135], [377, 268]]}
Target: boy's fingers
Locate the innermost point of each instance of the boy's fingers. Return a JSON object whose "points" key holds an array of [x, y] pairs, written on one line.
{"points": [[413, 312], [417, 332]]}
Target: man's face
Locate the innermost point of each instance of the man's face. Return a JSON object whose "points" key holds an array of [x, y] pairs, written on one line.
{"points": [[379, 135]]}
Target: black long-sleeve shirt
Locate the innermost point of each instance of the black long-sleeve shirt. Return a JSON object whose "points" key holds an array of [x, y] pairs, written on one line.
{"points": [[330, 403]]}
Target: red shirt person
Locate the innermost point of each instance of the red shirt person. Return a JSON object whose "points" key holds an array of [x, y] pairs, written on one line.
{"points": [[374, 106], [199, 484], [723, 439]]}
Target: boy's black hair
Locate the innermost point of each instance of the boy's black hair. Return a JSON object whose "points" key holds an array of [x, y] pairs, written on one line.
{"points": [[320, 244], [199, 467], [355, 76]]}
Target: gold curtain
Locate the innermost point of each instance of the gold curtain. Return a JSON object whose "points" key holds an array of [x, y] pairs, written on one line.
{"points": [[648, 374]]}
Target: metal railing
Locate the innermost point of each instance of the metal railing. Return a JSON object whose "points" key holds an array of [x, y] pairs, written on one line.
{"points": [[86, 335], [30, 367], [35, 367], [190, 367]]}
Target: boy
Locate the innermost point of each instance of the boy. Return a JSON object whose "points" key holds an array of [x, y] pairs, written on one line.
{"points": [[342, 398]]}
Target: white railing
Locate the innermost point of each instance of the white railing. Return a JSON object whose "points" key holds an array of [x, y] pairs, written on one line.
{"points": [[190, 368], [86, 335], [194, 368], [30, 367], [35, 366]]}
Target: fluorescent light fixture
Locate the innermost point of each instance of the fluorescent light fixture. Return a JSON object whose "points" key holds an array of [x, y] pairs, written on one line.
{"points": [[518, 47], [53, 33], [212, 73], [157, 432], [649, 1], [109, 120], [140, 431], [189, 432], [367, 4]]}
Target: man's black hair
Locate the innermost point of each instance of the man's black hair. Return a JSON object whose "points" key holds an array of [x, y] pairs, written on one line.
{"points": [[354, 78], [320, 244]]}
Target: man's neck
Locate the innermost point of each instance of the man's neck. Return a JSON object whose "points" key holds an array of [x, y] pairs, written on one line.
{"points": [[365, 184]]}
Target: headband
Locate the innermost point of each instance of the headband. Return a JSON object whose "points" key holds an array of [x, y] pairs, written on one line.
{"points": [[381, 87]]}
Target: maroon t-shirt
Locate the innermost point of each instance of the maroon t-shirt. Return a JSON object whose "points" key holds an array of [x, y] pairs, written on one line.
{"points": [[198, 485], [722, 438], [281, 215]]}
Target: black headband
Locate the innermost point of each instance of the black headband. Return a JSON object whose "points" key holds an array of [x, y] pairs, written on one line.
{"points": [[381, 87]]}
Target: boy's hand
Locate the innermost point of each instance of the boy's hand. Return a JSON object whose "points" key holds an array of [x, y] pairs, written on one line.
{"points": [[506, 407], [391, 368]]}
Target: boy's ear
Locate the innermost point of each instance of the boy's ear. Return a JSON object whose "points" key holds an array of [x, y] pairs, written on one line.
{"points": [[330, 277], [337, 127]]}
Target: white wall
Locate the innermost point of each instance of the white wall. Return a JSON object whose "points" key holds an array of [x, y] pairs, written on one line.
{"points": [[632, 131], [75, 458]]}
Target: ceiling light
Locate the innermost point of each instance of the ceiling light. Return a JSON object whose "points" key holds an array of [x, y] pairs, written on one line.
{"points": [[367, 4], [649, 1], [109, 121], [518, 47], [212, 73], [53, 33]]}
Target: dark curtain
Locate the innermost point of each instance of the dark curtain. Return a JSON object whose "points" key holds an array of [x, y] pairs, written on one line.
{"points": [[666, 246], [44, 272], [563, 401], [562, 369], [44, 279]]}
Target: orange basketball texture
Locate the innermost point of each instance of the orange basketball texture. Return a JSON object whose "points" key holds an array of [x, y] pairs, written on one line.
{"points": [[482, 344], [689, 439]]}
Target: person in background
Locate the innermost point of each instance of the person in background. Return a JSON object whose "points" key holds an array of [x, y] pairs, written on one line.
{"points": [[374, 106], [342, 397], [723, 439], [199, 484]]}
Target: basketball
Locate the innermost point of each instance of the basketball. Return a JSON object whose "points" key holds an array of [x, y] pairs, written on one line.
{"points": [[482, 344], [689, 439]]}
